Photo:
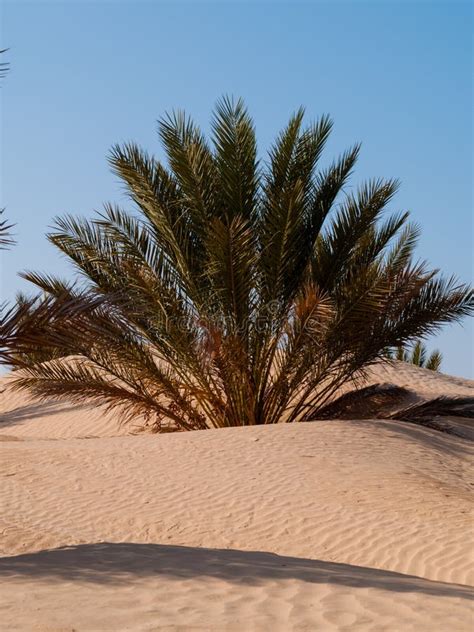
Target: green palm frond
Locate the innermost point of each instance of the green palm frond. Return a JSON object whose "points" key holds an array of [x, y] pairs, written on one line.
{"points": [[402, 252], [231, 268], [235, 149], [192, 164], [357, 216], [401, 354], [291, 208], [4, 66], [6, 238], [434, 361], [418, 354]]}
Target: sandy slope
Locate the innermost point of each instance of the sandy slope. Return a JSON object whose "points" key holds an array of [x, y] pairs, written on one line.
{"points": [[333, 525]]}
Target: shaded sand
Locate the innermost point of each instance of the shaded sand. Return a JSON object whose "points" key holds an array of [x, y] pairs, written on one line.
{"points": [[331, 525], [23, 416], [158, 587]]}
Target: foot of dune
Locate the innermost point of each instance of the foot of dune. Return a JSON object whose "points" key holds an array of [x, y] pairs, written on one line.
{"points": [[324, 526]]}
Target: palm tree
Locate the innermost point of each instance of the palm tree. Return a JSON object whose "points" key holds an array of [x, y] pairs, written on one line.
{"points": [[4, 66], [238, 291], [7, 317], [434, 361], [6, 239], [417, 355]]}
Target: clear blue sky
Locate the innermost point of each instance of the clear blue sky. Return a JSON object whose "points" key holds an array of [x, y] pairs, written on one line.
{"points": [[396, 76]]}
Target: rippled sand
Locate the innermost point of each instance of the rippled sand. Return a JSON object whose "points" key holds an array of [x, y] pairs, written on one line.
{"points": [[332, 525]]}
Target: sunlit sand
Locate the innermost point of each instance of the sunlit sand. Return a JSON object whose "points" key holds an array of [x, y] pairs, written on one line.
{"points": [[331, 525]]}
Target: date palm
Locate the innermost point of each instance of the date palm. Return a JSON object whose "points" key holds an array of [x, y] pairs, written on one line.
{"points": [[8, 317], [418, 356], [6, 238], [4, 66], [237, 291]]}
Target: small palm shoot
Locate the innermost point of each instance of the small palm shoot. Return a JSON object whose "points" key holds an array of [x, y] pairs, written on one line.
{"points": [[418, 356]]}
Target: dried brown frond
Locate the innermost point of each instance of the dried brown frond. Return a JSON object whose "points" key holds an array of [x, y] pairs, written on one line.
{"points": [[371, 402]]}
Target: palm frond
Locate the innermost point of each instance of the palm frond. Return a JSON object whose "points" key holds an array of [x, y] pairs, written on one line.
{"points": [[6, 239], [287, 224], [231, 268], [401, 254], [438, 407], [235, 148], [357, 215], [4, 66], [193, 166], [370, 402], [434, 361]]}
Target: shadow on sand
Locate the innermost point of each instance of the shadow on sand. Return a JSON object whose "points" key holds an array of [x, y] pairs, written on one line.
{"points": [[121, 562], [429, 437], [33, 411]]}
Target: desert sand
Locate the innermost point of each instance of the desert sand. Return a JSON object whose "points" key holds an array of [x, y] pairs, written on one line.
{"points": [[322, 526]]}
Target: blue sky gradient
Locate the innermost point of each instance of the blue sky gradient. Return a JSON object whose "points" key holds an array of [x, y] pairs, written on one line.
{"points": [[84, 75]]}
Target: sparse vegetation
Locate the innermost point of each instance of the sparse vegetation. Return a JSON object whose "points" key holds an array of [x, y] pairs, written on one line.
{"points": [[417, 355]]}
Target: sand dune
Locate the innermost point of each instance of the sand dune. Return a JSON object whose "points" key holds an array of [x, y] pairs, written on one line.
{"points": [[332, 525]]}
